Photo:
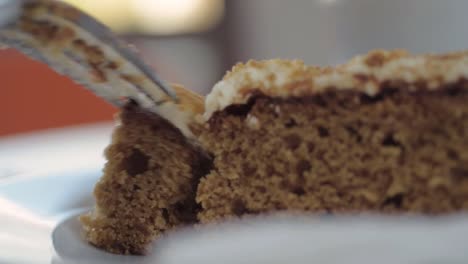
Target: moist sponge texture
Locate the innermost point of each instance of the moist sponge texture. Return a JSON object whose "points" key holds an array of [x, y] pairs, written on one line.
{"points": [[344, 151], [385, 132], [148, 185]]}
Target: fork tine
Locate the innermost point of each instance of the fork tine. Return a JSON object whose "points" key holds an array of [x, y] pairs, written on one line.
{"points": [[76, 45], [105, 35]]}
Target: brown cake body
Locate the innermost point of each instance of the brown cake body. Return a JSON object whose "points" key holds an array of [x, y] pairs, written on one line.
{"points": [[148, 186], [339, 152], [385, 133]]}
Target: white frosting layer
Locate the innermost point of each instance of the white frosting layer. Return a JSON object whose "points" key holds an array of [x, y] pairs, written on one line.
{"points": [[367, 74]]}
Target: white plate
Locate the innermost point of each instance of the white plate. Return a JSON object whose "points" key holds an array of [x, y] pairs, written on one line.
{"points": [[31, 206]]}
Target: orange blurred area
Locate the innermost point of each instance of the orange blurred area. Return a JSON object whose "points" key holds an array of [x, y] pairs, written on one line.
{"points": [[33, 97]]}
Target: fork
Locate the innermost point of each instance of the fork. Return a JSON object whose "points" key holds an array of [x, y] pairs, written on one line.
{"points": [[78, 46]]}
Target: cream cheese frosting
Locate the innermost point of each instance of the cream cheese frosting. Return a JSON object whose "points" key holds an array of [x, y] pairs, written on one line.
{"points": [[367, 73]]}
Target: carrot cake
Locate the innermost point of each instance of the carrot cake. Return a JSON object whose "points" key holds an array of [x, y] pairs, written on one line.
{"points": [[386, 132]]}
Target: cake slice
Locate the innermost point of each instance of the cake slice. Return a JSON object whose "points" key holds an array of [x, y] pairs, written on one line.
{"points": [[387, 132], [149, 181]]}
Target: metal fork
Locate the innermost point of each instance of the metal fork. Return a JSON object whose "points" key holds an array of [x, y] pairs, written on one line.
{"points": [[78, 46]]}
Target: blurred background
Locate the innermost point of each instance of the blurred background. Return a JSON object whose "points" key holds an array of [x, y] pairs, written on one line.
{"points": [[193, 42]]}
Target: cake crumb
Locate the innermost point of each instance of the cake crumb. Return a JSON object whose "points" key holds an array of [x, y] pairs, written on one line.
{"points": [[277, 109], [253, 122]]}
